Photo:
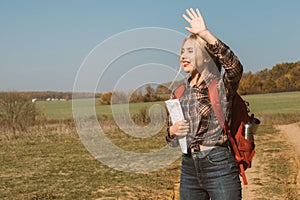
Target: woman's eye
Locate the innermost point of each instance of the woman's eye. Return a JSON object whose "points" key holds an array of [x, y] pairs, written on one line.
{"points": [[191, 51]]}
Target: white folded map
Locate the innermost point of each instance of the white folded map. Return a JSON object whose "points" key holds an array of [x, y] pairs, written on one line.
{"points": [[176, 114]]}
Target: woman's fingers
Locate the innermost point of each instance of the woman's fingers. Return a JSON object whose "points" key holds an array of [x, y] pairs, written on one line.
{"points": [[193, 12], [180, 128], [196, 21], [183, 127], [181, 134], [183, 123], [198, 12], [183, 130], [188, 29], [189, 13], [186, 18], [199, 15]]}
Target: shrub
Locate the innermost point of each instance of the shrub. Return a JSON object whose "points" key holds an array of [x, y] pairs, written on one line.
{"points": [[142, 117], [17, 112]]}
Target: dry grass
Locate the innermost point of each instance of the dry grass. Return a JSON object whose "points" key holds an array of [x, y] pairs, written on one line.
{"points": [[53, 164], [279, 119]]}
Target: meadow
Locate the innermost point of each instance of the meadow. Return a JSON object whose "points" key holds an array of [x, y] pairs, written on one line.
{"points": [[50, 161], [262, 104], [63, 109]]}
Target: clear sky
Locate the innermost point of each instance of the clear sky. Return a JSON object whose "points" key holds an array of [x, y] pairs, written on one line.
{"points": [[44, 43]]}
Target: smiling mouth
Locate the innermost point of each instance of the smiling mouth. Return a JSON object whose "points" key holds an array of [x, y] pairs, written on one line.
{"points": [[185, 63]]}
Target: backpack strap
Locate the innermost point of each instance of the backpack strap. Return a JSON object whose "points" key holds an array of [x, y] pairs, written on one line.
{"points": [[179, 92], [213, 95], [214, 98]]}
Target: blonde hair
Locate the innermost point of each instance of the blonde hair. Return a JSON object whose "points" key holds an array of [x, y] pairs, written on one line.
{"points": [[200, 44], [213, 66]]}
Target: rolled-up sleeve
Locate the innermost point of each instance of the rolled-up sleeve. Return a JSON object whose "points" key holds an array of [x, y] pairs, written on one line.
{"points": [[173, 142], [230, 62]]}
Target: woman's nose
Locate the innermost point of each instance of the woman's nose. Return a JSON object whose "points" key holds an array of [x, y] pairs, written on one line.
{"points": [[182, 56]]}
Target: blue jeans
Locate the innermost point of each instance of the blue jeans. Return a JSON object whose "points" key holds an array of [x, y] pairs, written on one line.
{"points": [[210, 174]]}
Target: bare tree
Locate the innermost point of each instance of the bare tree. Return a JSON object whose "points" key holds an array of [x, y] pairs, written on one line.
{"points": [[17, 112]]}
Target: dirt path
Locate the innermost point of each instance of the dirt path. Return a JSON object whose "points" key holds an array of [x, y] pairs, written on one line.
{"points": [[292, 131], [292, 135], [249, 191]]}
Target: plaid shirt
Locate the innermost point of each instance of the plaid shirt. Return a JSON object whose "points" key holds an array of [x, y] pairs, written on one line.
{"points": [[204, 126]]}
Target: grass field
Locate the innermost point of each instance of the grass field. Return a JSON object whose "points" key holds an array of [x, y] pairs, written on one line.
{"points": [[274, 103], [50, 162], [63, 109], [262, 104]]}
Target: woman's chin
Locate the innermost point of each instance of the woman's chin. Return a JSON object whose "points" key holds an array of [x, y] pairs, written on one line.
{"points": [[187, 70]]}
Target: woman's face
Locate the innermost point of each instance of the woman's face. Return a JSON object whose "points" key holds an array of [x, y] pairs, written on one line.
{"points": [[188, 56]]}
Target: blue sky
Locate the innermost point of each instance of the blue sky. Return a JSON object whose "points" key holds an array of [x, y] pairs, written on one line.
{"points": [[44, 43]]}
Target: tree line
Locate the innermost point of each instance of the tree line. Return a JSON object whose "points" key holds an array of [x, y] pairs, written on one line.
{"points": [[44, 95], [282, 77], [147, 94]]}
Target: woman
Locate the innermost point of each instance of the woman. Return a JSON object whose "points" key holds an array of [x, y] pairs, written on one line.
{"points": [[209, 170]]}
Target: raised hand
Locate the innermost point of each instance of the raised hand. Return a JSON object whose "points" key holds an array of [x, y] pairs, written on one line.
{"points": [[196, 21], [198, 25]]}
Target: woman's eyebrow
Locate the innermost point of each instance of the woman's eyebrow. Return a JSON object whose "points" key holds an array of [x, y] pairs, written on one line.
{"points": [[188, 48]]}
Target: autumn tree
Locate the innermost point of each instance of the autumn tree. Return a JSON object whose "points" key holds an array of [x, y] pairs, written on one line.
{"points": [[136, 96], [105, 98], [282, 77], [149, 95]]}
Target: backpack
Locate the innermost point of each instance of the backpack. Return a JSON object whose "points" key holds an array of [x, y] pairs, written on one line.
{"points": [[243, 148]]}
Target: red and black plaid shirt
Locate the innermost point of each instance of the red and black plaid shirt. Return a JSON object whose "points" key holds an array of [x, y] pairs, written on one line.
{"points": [[204, 127]]}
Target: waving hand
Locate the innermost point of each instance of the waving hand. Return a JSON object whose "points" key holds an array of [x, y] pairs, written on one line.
{"points": [[198, 25], [195, 20]]}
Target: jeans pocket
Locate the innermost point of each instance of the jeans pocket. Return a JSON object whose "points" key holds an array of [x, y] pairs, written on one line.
{"points": [[186, 160], [219, 158]]}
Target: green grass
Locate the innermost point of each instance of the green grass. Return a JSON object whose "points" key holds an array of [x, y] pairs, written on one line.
{"points": [[260, 104], [274, 103], [63, 109], [55, 109]]}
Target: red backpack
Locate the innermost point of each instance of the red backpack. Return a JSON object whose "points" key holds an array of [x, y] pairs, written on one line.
{"points": [[243, 148]]}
